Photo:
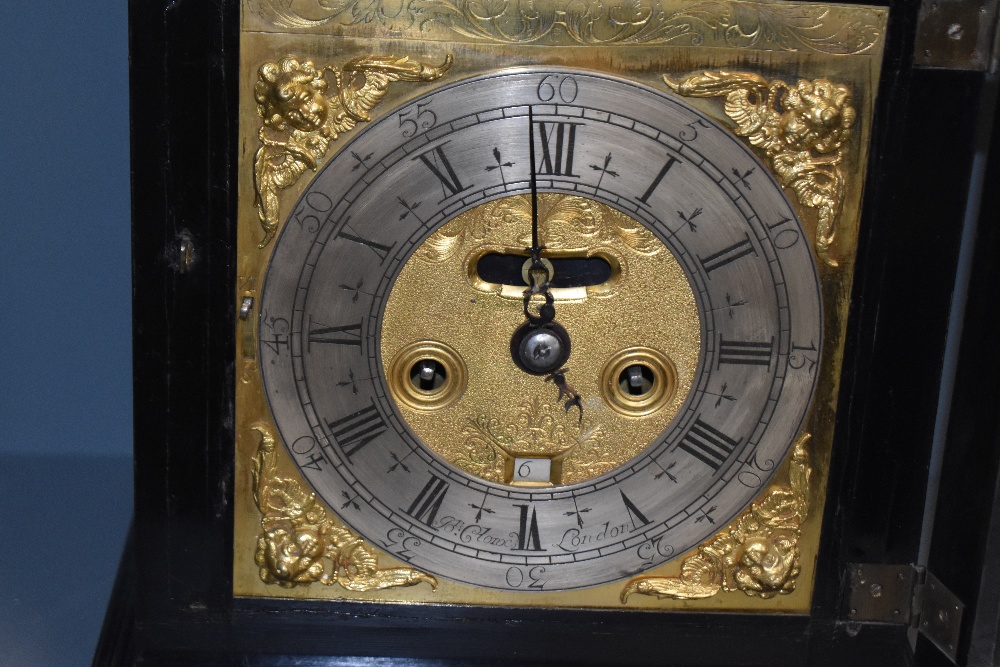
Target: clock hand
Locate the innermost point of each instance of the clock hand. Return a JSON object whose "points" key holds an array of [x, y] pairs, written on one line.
{"points": [[534, 184], [539, 272], [541, 346]]}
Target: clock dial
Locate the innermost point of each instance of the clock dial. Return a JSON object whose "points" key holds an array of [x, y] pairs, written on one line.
{"points": [[679, 274]]}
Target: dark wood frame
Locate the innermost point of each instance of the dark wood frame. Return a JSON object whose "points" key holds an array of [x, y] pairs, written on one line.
{"points": [[173, 601]]}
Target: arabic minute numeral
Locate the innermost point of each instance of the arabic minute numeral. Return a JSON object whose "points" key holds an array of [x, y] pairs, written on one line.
{"points": [[691, 131], [403, 543], [318, 203], [415, 118], [652, 548], [516, 576], [277, 331], [750, 478], [303, 448], [783, 238], [804, 356], [557, 85]]}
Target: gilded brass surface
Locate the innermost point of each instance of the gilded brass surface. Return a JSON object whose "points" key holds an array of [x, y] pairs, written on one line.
{"points": [[506, 413], [792, 26], [663, 382], [757, 554], [801, 129], [305, 108], [777, 41], [456, 376], [301, 543]]}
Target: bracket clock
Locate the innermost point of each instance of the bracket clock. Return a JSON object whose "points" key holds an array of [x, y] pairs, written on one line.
{"points": [[529, 332]]}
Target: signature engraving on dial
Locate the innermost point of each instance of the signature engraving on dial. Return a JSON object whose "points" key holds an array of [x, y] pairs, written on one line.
{"points": [[757, 554], [802, 129], [304, 108], [302, 543]]}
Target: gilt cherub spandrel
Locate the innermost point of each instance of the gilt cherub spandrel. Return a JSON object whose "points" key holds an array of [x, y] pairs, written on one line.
{"points": [[802, 129], [305, 108]]}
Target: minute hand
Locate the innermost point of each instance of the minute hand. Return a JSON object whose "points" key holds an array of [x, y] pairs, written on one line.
{"points": [[539, 275]]}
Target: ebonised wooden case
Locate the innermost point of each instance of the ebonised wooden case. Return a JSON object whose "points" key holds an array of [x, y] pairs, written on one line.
{"points": [[173, 602]]}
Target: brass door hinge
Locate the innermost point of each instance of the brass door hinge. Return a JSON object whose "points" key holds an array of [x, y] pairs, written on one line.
{"points": [[957, 34], [905, 594]]}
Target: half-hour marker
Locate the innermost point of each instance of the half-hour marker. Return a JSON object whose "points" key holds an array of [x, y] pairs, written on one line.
{"points": [[742, 177], [707, 444], [603, 169], [721, 395], [688, 218], [745, 353], [727, 255], [577, 512], [349, 501], [500, 164]]}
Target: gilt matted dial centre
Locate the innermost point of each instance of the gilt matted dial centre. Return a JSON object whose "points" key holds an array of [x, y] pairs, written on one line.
{"points": [[691, 345]]}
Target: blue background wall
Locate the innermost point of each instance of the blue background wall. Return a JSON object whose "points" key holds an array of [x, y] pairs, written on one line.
{"points": [[65, 357], [65, 322]]}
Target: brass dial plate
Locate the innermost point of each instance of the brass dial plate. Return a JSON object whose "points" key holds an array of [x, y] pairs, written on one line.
{"points": [[331, 282]]}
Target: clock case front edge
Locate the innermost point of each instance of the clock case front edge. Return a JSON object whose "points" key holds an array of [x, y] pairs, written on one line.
{"points": [[184, 156]]}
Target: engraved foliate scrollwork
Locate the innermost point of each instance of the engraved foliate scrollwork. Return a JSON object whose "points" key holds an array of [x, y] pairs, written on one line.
{"points": [[771, 26], [568, 223], [758, 554], [802, 129], [538, 429], [304, 108], [301, 543]]}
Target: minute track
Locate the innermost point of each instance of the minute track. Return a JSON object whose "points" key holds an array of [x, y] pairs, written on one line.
{"points": [[670, 513]]}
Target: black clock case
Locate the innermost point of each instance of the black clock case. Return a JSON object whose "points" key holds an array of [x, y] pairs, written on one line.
{"points": [[172, 603]]}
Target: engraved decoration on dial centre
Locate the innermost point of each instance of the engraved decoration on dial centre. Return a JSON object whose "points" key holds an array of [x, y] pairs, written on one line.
{"points": [[484, 433]]}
